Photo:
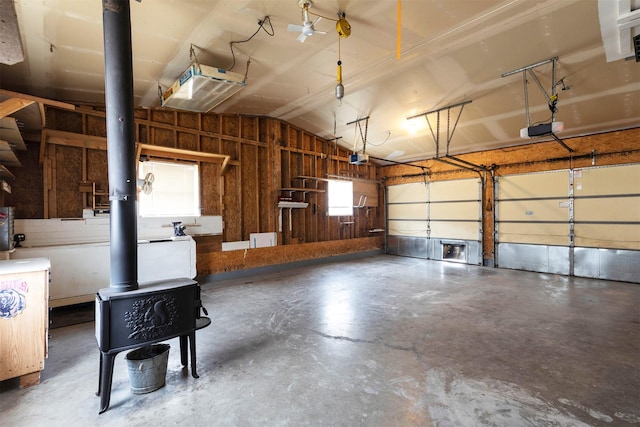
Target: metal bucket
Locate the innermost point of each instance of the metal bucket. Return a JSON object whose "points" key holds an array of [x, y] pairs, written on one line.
{"points": [[148, 367]]}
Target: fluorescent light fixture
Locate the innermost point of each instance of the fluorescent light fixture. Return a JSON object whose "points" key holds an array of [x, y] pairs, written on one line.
{"points": [[201, 88]]}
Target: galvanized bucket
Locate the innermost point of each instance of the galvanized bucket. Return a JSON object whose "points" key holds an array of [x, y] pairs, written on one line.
{"points": [[148, 367]]}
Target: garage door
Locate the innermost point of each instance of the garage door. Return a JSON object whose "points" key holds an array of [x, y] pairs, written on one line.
{"points": [[582, 222], [436, 220]]}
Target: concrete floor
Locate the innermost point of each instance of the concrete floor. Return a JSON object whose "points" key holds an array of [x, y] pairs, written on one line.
{"points": [[382, 341]]}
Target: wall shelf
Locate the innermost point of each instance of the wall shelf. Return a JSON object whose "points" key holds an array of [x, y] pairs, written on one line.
{"points": [[289, 205]]}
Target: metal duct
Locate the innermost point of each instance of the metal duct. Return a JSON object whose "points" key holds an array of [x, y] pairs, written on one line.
{"points": [[120, 145]]}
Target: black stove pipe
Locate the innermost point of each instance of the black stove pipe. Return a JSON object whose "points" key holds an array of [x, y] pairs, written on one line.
{"points": [[121, 148]]}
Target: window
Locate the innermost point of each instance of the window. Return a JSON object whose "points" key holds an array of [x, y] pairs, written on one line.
{"points": [[340, 198], [175, 189]]}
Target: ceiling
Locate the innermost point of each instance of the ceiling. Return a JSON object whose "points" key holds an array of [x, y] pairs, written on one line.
{"points": [[450, 52]]}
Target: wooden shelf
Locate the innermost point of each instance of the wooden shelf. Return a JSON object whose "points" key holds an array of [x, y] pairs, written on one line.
{"points": [[290, 205], [4, 172], [301, 190], [97, 196]]}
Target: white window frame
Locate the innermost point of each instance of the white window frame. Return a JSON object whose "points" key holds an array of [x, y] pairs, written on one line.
{"points": [[339, 197], [176, 189]]}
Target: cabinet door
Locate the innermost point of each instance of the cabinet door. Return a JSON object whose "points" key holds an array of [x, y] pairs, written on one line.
{"points": [[365, 194]]}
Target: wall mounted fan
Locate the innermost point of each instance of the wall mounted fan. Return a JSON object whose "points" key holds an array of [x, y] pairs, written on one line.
{"points": [[146, 184], [308, 27]]}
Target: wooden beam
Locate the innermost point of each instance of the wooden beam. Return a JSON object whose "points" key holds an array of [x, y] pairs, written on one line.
{"points": [[71, 139], [178, 153], [4, 172], [59, 137], [22, 96], [11, 105]]}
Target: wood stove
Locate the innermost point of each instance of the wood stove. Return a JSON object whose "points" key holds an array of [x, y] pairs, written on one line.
{"points": [[129, 315], [156, 311]]}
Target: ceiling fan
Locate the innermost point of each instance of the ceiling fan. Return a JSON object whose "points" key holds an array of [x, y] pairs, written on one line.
{"points": [[308, 27]]}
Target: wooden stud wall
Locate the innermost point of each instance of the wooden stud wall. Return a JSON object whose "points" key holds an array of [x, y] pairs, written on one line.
{"points": [[265, 155]]}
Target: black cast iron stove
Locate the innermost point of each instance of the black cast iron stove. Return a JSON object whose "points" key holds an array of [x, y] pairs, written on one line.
{"points": [[129, 315], [156, 311]]}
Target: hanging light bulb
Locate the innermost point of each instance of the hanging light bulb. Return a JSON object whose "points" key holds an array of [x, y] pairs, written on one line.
{"points": [[339, 86]]}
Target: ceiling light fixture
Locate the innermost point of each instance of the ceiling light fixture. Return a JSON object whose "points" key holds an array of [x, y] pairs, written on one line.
{"points": [[201, 88]]}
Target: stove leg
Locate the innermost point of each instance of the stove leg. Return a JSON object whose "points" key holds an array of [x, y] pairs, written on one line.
{"points": [[104, 382], [183, 350], [192, 348]]}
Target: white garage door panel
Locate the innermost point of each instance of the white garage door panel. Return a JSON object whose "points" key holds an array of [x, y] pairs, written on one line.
{"points": [[539, 197], [607, 209], [451, 204], [414, 192], [408, 228], [607, 180], [618, 236], [597, 191], [463, 189], [533, 210], [540, 234], [408, 211], [537, 185], [460, 210], [455, 230]]}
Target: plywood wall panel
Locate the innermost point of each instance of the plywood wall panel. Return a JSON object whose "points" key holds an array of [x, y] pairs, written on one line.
{"points": [[163, 116], [266, 194], [96, 165], [96, 125], [249, 128], [219, 262], [211, 123], [232, 205], [163, 137], [211, 189], [188, 141], [230, 148], [250, 188], [230, 125], [142, 133], [209, 145], [188, 120], [27, 191]]}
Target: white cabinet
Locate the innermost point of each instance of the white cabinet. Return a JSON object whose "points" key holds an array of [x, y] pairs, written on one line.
{"points": [[78, 271]]}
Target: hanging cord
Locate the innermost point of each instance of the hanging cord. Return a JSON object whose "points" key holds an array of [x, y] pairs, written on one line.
{"points": [[193, 57], [383, 142], [321, 16], [246, 71], [261, 26]]}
